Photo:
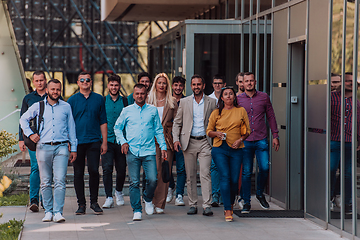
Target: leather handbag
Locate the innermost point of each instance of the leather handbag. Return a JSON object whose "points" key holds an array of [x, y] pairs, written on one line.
{"points": [[165, 171], [34, 126]]}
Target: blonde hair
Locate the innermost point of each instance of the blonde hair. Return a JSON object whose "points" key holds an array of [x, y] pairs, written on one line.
{"points": [[169, 99]]}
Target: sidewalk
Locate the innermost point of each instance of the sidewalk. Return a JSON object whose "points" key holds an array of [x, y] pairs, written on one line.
{"points": [[116, 223]]}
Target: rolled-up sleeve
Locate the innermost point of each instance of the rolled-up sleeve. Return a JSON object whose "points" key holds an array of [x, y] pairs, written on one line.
{"points": [[212, 121]]}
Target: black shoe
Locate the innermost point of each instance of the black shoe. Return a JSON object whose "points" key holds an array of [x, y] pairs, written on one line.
{"points": [[246, 208], [34, 205], [96, 208], [348, 209], [207, 212], [192, 211], [81, 210], [263, 203], [216, 201]]}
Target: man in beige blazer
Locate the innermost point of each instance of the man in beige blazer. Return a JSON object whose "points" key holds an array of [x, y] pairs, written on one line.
{"points": [[189, 129]]}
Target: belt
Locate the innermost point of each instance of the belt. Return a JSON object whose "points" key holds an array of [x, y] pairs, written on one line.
{"points": [[55, 143], [198, 137]]}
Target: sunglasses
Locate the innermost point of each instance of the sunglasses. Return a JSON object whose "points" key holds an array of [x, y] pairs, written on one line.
{"points": [[84, 79], [228, 87]]}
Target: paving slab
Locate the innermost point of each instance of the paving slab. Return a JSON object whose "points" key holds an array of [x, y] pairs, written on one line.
{"points": [[116, 223]]}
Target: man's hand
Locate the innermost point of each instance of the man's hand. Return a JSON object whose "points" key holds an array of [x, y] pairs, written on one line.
{"points": [[35, 137], [72, 156], [124, 148], [103, 148], [164, 154], [177, 146], [22, 146], [276, 144]]}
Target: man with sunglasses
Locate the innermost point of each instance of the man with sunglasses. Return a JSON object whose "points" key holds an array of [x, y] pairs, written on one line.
{"points": [[89, 113], [218, 84]]}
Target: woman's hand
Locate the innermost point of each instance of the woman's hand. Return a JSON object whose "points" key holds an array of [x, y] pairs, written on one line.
{"points": [[219, 135], [237, 143]]}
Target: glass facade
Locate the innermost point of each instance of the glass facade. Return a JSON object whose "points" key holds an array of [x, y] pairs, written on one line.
{"points": [[304, 50]]}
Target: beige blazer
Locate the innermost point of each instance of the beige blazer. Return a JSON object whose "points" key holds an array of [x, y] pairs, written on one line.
{"points": [[183, 121]]}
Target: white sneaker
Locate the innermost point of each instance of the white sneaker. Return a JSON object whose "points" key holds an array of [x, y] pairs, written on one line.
{"points": [[109, 203], [137, 216], [48, 217], [159, 210], [58, 218], [179, 201], [149, 208], [338, 201], [170, 195], [119, 198], [241, 203]]}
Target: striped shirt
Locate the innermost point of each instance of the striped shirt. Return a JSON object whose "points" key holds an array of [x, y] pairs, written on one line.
{"points": [[336, 117], [256, 107]]}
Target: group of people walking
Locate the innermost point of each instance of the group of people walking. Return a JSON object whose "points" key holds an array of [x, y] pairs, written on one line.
{"points": [[156, 123]]}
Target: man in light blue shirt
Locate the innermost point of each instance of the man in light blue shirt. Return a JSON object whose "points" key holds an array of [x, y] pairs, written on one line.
{"points": [[57, 136], [135, 130]]}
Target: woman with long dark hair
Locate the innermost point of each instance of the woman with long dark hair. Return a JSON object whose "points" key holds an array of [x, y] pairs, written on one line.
{"points": [[229, 127]]}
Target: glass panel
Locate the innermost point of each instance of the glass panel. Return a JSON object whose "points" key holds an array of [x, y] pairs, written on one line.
{"points": [[232, 8], [279, 2], [217, 54], [341, 174], [265, 4], [246, 8], [336, 53]]}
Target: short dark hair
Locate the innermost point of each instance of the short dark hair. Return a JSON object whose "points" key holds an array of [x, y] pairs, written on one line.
{"points": [[139, 85], [349, 73], [39, 73], [335, 75], [54, 80], [114, 78], [198, 76], [240, 74], [218, 76], [144, 74], [179, 79], [84, 73], [248, 73]]}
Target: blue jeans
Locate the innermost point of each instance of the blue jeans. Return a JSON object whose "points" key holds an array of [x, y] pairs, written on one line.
{"points": [[180, 172], [334, 165], [228, 162], [149, 165], [53, 162], [34, 176], [259, 148], [215, 180]]}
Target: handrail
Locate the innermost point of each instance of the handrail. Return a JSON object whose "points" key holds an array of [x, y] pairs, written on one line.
{"points": [[17, 110]]}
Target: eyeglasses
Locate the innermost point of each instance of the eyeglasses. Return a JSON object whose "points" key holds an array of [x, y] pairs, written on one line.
{"points": [[84, 79], [218, 83]]}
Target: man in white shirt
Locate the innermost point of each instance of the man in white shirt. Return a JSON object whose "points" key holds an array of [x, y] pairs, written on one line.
{"points": [[189, 134], [218, 84]]}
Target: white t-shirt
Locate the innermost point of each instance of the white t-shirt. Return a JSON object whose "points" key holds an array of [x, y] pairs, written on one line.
{"points": [[214, 96], [161, 112]]}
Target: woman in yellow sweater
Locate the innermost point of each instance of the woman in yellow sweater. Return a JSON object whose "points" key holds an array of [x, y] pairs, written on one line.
{"points": [[229, 127]]}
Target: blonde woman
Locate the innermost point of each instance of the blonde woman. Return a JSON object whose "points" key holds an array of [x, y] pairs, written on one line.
{"points": [[160, 96]]}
